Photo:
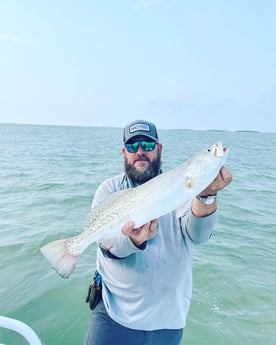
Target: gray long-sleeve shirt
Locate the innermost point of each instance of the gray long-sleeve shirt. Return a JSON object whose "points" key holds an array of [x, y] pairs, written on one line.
{"points": [[150, 287]]}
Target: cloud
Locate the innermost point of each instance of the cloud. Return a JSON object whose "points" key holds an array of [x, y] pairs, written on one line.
{"points": [[12, 39]]}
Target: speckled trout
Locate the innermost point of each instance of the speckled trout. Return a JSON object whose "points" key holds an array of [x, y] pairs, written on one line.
{"points": [[160, 195]]}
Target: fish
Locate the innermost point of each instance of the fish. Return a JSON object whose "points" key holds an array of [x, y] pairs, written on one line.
{"points": [[161, 195]]}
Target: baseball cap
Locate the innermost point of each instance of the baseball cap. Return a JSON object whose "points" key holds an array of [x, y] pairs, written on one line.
{"points": [[140, 127]]}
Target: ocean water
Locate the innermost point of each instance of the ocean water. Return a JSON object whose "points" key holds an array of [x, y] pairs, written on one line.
{"points": [[48, 176]]}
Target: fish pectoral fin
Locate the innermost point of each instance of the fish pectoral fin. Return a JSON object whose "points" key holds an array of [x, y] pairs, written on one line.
{"points": [[190, 182]]}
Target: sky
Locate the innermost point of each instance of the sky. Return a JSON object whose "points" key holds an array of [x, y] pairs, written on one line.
{"points": [[191, 64]]}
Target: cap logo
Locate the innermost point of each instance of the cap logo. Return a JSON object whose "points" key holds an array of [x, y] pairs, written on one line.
{"points": [[139, 127]]}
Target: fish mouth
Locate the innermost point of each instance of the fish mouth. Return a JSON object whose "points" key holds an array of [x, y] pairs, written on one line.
{"points": [[220, 150]]}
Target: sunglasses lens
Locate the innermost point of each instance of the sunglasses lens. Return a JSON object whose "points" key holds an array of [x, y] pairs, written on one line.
{"points": [[146, 146], [132, 148]]}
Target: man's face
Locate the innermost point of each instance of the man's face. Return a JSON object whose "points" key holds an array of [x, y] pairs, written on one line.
{"points": [[142, 165]]}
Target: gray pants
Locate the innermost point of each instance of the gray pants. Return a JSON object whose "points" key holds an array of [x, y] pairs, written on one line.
{"points": [[104, 331]]}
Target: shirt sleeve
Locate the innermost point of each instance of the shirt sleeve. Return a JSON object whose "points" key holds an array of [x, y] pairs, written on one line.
{"points": [[119, 247], [199, 229]]}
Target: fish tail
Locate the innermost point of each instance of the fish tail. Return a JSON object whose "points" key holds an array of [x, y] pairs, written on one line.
{"points": [[62, 255]]}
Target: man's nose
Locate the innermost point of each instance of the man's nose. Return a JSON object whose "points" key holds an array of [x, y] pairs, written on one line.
{"points": [[140, 149]]}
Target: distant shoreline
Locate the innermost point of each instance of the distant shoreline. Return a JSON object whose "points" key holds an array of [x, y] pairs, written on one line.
{"points": [[97, 126]]}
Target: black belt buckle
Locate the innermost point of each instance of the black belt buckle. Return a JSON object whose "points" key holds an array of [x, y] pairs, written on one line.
{"points": [[94, 294]]}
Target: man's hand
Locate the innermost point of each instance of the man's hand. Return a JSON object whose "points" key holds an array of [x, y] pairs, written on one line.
{"points": [[222, 180], [142, 234]]}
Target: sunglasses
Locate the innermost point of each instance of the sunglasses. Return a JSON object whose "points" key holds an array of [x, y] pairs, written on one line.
{"points": [[146, 146]]}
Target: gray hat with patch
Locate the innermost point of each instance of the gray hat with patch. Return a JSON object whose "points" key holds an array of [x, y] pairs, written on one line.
{"points": [[140, 127]]}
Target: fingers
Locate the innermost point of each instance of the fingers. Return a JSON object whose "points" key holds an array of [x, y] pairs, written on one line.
{"points": [[153, 225], [226, 175], [128, 228], [144, 233], [152, 228], [222, 180]]}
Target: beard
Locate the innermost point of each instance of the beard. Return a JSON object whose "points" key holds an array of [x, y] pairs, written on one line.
{"points": [[142, 176]]}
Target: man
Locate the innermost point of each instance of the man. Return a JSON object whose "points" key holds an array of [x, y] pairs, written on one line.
{"points": [[147, 272]]}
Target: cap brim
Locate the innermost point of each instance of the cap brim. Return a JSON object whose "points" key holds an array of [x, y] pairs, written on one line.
{"points": [[142, 134]]}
